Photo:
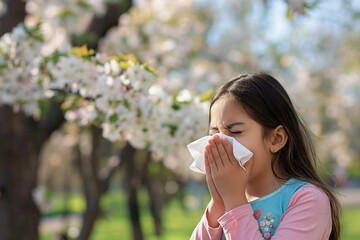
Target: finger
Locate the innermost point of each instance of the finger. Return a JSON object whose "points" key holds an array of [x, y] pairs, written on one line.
{"points": [[212, 164], [215, 153], [229, 150], [222, 151], [207, 166]]}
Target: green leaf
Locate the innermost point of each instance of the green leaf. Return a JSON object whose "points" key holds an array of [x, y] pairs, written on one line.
{"points": [[113, 118], [290, 14], [173, 129], [124, 65], [82, 52], [83, 4], [150, 69], [34, 32], [127, 104], [65, 13], [207, 96], [43, 106], [176, 104]]}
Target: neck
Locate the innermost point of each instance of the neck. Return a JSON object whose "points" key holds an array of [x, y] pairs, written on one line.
{"points": [[263, 186]]}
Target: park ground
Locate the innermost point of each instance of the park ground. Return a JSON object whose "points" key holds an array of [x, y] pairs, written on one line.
{"points": [[178, 221]]}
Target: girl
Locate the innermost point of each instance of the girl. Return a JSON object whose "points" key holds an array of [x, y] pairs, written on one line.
{"points": [[280, 195]]}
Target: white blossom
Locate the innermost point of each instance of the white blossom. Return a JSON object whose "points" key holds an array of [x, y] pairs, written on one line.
{"points": [[166, 35], [19, 60]]}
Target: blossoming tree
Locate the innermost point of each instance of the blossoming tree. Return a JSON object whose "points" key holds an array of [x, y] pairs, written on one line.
{"points": [[45, 81], [115, 93]]}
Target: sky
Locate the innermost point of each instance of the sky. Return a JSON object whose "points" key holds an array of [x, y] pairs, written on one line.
{"points": [[331, 15]]}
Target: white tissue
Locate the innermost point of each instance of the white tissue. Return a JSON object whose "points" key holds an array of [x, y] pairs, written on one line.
{"points": [[197, 151]]}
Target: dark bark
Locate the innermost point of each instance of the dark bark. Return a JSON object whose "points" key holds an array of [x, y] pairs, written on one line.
{"points": [[21, 140], [19, 152], [15, 14], [101, 24], [136, 174], [108, 171], [88, 164], [95, 181], [132, 181], [155, 197], [19, 216], [52, 121], [18, 162], [20, 145], [134, 212]]}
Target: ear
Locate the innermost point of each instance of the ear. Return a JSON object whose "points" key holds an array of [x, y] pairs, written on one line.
{"points": [[279, 138]]}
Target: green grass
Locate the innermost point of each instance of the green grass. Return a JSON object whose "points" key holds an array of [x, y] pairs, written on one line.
{"points": [[350, 224], [178, 222], [114, 223], [178, 226]]}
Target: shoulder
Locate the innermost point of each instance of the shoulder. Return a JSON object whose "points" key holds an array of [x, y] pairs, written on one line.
{"points": [[310, 197], [308, 215]]}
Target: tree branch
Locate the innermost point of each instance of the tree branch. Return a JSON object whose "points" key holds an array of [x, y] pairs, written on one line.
{"points": [[108, 171], [51, 122], [101, 24]]}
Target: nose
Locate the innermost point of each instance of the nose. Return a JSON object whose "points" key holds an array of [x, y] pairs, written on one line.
{"points": [[227, 133]]}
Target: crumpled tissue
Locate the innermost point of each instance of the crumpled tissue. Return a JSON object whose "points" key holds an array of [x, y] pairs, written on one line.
{"points": [[197, 151]]}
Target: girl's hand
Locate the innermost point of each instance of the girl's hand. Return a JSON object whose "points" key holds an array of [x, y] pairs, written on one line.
{"points": [[227, 176], [216, 207]]}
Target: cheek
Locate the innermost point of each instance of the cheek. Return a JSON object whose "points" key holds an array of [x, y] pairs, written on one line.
{"points": [[261, 156], [248, 142], [255, 143], [261, 163]]}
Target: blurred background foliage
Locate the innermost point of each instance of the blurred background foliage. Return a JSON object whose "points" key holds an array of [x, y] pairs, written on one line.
{"points": [[76, 171]]}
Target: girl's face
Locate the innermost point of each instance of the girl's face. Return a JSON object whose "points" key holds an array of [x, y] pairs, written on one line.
{"points": [[229, 117]]}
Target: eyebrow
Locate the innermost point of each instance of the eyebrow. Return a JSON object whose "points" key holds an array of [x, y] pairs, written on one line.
{"points": [[234, 124], [229, 126]]}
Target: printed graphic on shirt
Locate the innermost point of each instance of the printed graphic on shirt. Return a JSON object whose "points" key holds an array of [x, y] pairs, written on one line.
{"points": [[267, 223]]}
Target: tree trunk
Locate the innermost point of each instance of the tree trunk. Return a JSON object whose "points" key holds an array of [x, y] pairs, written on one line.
{"points": [[21, 139], [134, 212], [155, 197], [137, 175], [132, 183], [19, 216], [15, 14], [88, 163], [94, 183]]}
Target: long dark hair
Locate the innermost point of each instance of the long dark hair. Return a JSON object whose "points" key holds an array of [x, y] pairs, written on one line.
{"points": [[266, 101]]}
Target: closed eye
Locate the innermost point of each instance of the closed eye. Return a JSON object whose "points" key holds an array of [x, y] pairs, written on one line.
{"points": [[236, 132]]}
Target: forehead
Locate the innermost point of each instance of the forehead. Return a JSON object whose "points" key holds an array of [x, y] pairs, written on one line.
{"points": [[226, 110]]}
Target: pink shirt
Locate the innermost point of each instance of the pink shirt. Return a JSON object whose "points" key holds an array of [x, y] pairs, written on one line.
{"points": [[308, 216]]}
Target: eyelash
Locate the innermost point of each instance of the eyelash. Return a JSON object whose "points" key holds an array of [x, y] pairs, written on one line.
{"points": [[232, 133], [238, 132]]}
